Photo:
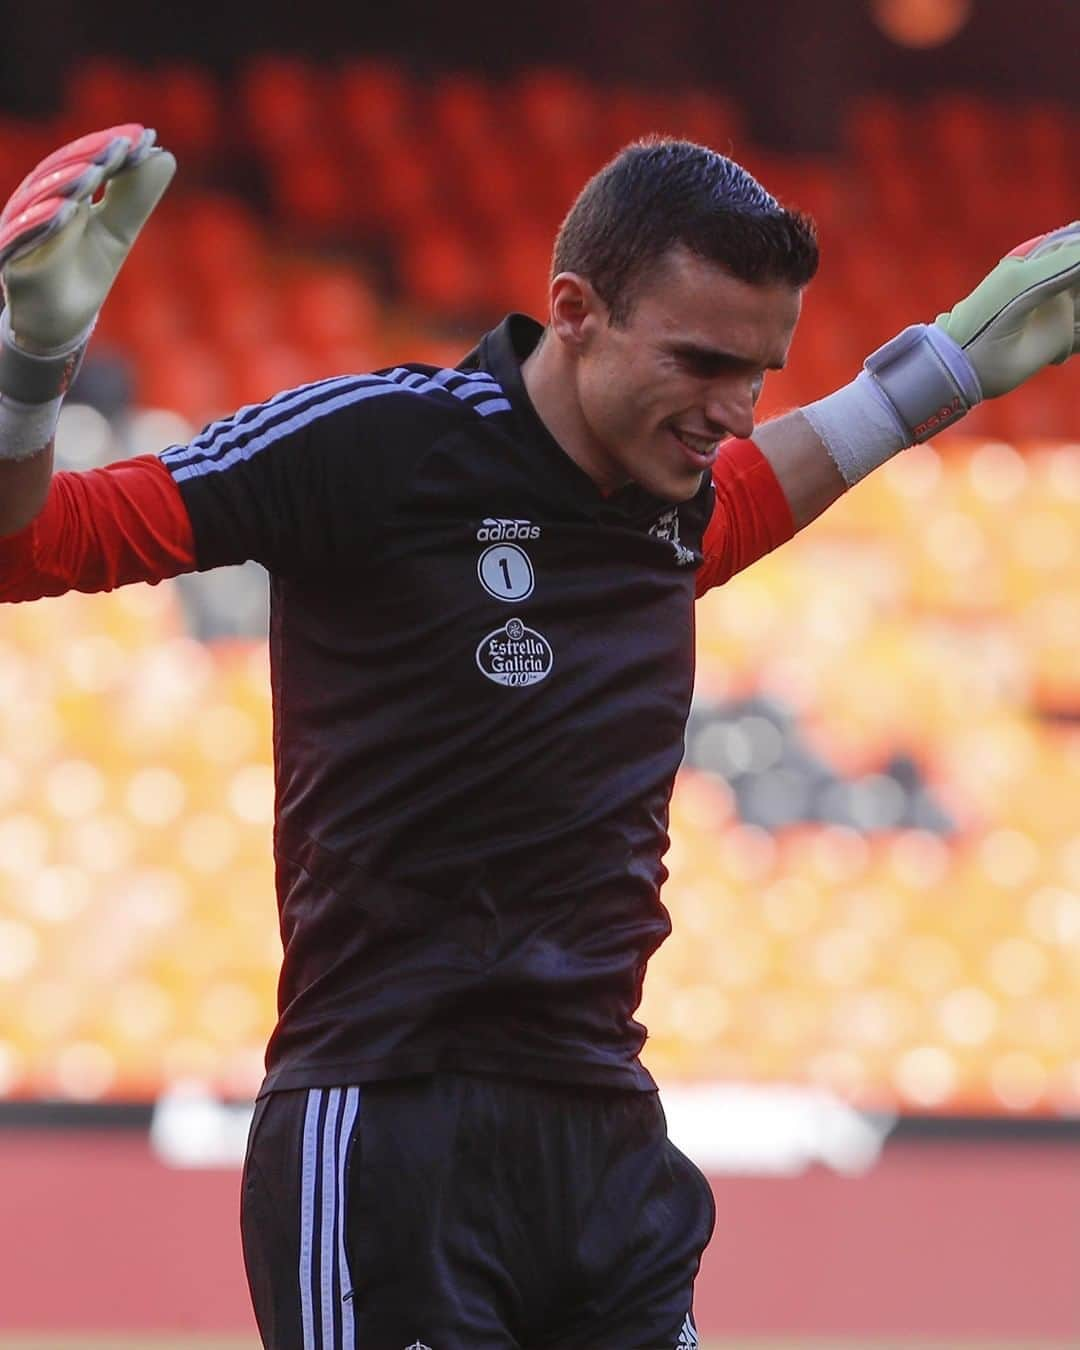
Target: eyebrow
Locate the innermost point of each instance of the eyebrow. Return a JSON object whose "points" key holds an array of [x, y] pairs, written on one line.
{"points": [[715, 356]]}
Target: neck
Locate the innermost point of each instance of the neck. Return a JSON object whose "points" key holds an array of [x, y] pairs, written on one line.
{"points": [[549, 380]]}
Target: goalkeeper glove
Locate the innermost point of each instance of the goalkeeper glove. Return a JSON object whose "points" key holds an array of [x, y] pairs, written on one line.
{"points": [[1025, 315], [60, 252]]}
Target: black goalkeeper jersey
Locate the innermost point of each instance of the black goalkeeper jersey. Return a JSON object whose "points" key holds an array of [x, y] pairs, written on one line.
{"points": [[481, 673]]}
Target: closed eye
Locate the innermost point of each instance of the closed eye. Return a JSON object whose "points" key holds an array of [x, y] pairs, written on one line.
{"points": [[705, 367]]}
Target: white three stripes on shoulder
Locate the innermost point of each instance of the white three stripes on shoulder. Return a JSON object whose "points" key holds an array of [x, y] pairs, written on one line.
{"points": [[253, 415], [468, 383], [255, 428], [220, 436], [326, 1312], [298, 421]]}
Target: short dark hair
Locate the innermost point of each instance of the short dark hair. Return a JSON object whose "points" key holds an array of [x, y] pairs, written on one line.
{"points": [[658, 193]]}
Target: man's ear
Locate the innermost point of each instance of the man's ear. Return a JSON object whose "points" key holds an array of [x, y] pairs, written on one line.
{"points": [[575, 310]]}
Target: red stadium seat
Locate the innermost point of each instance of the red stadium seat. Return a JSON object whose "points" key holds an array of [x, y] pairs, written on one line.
{"points": [[312, 192], [622, 115], [817, 187], [266, 370], [552, 194], [495, 189], [464, 111], [399, 190], [556, 109], [185, 107], [879, 128], [516, 274], [345, 358], [702, 116], [279, 96], [330, 307], [373, 102], [442, 270], [222, 237], [963, 131], [104, 92], [1044, 407], [186, 377], [153, 316], [239, 315], [22, 145], [1047, 140]]}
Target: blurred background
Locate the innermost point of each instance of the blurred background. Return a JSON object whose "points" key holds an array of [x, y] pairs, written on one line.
{"points": [[867, 1021]]}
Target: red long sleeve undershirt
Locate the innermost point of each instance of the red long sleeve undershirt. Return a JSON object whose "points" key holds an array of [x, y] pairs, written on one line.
{"points": [[127, 522], [751, 515], [98, 530]]}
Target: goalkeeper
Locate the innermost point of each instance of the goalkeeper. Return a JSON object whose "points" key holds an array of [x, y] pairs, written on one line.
{"points": [[482, 582]]}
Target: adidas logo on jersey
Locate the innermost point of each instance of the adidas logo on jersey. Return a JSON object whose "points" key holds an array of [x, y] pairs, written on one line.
{"points": [[494, 531]]}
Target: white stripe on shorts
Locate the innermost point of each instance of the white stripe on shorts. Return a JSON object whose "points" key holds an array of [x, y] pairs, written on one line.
{"points": [[328, 1218], [323, 1173], [307, 1213], [352, 1105]]}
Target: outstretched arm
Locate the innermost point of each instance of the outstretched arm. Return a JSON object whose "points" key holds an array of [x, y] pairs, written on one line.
{"points": [[1025, 315], [59, 254]]}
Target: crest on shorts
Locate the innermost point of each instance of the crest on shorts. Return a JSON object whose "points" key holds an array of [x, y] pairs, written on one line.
{"points": [[687, 1336]]}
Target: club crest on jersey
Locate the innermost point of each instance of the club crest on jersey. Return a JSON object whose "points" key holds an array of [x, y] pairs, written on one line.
{"points": [[666, 527], [515, 655], [496, 531]]}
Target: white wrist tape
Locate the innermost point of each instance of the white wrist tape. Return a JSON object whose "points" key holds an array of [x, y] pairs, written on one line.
{"points": [[32, 388], [26, 428], [911, 388], [857, 428]]}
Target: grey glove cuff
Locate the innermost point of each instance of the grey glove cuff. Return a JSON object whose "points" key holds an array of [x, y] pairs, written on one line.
{"points": [[30, 379], [925, 380]]}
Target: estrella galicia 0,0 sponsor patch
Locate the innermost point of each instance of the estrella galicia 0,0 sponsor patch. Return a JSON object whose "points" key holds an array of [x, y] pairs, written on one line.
{"points": [[515, 655]]}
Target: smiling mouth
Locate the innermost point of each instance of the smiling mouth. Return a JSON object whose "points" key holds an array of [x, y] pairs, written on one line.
{"points": [[703, 447]]}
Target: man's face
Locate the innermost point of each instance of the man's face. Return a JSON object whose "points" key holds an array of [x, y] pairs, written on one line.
{"points": [[659, 392]]}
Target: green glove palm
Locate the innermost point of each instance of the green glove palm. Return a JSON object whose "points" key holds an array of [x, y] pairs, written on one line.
{"points": [[1024, 315]]}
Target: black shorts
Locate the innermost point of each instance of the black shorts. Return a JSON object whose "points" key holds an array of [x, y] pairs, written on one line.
{"points": [[461, 1212]]}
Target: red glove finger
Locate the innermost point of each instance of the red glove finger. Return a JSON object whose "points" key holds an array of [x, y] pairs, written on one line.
{"points": [[59, 175], [91, 149], [46, 199], [76, 181], [1022, 250], [34, 225]]}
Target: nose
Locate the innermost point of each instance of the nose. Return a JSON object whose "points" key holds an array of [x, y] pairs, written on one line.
{"points": [[729, 406]]}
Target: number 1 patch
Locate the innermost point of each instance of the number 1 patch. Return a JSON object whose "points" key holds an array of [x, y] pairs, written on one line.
{"points": [[505, 572]]}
